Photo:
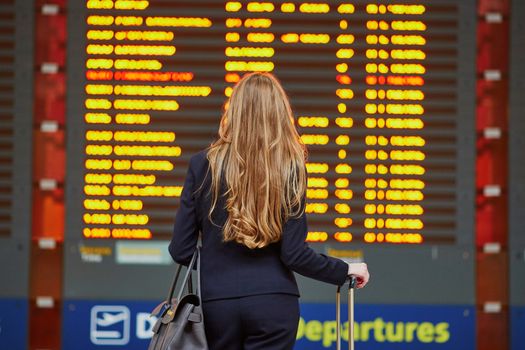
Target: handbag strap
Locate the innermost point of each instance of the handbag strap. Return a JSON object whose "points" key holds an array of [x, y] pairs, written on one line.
{"points": [[186, 280], [173, 285], [198, 291], [190, 280], [187, 277]]}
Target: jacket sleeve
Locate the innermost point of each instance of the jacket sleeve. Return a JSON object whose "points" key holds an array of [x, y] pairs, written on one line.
{"points": [[299, 257], [185, 230]]}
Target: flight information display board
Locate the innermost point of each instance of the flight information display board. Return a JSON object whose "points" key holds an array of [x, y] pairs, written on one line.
{"points": [[374, 87]]}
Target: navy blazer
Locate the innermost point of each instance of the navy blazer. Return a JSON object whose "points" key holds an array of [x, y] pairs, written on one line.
{"points": [[229, 269]]}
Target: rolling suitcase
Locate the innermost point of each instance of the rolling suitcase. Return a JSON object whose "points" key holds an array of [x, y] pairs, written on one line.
{"points": [[351, 287]]}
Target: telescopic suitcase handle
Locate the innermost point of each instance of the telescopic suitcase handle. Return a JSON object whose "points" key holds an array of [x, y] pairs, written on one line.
{"points": [[352, 281]]}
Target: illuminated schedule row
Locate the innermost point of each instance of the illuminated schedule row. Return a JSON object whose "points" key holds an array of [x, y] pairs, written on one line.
{"points": [[366, 80]]}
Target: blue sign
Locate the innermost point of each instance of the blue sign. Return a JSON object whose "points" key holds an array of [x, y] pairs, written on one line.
{"points": [[13, 324], [127, 325], [517, 327]]}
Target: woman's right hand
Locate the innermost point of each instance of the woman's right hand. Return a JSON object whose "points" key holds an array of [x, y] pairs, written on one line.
{"points": [[360, 271]]}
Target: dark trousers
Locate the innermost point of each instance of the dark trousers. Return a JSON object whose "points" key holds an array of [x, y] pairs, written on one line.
{"points": [[256, 322]]}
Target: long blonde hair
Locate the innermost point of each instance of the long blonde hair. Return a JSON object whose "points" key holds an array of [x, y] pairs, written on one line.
{"points": [[262, 159]]}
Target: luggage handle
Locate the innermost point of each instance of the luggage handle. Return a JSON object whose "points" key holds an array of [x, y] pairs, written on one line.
{"points": [[352, 281]]}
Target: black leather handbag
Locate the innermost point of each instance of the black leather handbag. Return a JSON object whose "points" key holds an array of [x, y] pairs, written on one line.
{"points": [[180, 324]]}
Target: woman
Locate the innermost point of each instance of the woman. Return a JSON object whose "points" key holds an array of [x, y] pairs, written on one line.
{"points": [[245, 197]]}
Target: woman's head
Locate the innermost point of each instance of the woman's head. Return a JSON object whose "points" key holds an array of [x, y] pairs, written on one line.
{"points": [[257, 101], [260, 157]]}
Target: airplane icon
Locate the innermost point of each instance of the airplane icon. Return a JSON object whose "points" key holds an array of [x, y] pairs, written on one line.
{"points": [[110, 325]]}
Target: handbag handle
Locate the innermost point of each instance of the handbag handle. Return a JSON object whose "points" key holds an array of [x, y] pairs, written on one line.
{"points": [[195, 259]]}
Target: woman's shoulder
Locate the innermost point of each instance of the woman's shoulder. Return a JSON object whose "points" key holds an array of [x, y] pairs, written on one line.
{"points": [[199, 161]]}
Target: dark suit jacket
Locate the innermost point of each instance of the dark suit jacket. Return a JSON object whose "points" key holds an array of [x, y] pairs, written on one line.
{"points": [[232, 270]]}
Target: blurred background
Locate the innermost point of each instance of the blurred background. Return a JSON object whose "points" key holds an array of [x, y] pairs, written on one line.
{"points": [[412, 111]]}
